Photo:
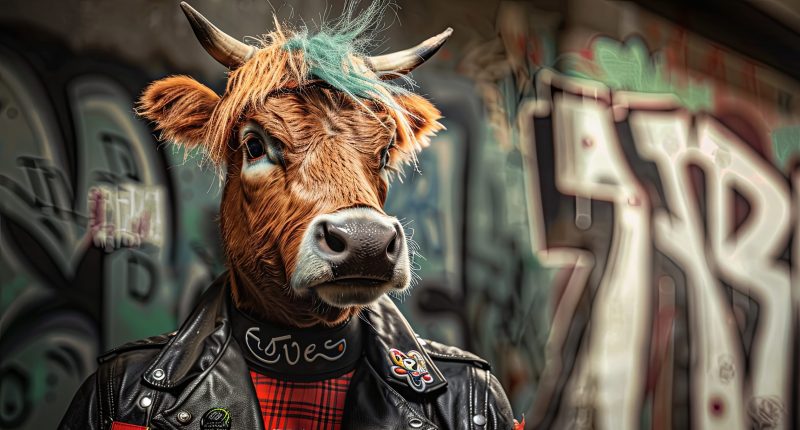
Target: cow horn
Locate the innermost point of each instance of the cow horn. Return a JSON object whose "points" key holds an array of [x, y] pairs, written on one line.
{"points": [[228, 51], [389, 66]]}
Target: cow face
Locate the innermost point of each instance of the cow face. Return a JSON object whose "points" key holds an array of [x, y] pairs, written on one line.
{"points": [[305, 191], [307, 170]]}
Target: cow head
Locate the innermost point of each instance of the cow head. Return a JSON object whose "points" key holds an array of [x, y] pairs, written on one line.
{"points": [[308, 134]]}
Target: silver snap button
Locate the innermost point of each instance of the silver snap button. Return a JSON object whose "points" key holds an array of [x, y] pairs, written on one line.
{"points": [[184, 417], [479, 420], [145, 402], [415, 423], [159, 374]]}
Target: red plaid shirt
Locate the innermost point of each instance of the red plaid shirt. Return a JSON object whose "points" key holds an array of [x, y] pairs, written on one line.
{"points": [[290, 405]]}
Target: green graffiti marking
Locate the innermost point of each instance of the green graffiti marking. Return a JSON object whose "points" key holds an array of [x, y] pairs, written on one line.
{"points": [[785, 146], [11, 287], [629, 66]]}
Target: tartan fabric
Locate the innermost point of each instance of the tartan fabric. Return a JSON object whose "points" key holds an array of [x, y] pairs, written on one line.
{"points": [[293, 405], [116, 425]]}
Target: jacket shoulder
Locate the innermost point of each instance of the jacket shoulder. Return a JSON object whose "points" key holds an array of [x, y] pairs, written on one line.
{"points": [[109, 390], [471, 389], [440, 352], [147, 344]]}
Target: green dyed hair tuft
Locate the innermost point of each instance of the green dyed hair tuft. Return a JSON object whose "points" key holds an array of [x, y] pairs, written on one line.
{"points": [[328, 54]]}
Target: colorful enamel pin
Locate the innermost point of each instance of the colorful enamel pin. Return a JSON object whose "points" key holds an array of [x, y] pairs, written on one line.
{"points": [[410, 367]]}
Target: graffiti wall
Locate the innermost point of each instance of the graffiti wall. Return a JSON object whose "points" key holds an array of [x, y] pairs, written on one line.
{"points": [[610, 217], [670, 223], [106, 237], [662, 190]]}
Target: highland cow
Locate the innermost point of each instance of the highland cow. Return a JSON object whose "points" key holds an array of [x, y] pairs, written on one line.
{"points": [[298, 333]]}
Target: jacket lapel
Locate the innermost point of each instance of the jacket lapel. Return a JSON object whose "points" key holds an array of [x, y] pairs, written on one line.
{"points": [[204, 334], [377, 394], [389, 333], [208, 367]]}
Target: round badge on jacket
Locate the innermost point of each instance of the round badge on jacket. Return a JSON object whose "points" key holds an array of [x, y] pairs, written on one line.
{"points": [[216, 419]]}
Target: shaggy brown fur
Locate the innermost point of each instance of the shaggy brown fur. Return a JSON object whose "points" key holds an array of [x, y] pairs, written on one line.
{"points": [[332, 148]]}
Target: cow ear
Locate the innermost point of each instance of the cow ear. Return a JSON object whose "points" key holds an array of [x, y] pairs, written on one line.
{"points": [[420, 122], [180, 107]]}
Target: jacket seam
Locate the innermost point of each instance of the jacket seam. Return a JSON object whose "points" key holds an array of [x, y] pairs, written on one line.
{"points": [[99, 389], [471, 404], [453, 357], [441, 354], [150, 413], [123, 349], [110, 388], [486, 394]]}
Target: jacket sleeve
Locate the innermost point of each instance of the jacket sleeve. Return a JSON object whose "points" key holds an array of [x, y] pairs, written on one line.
{"points": [[83, 412]]}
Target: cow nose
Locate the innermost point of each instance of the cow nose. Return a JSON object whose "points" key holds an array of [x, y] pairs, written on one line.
{"points": [[360, 246]]}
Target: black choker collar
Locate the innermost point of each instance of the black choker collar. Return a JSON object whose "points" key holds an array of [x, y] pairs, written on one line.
{"points": [[298, 354]]}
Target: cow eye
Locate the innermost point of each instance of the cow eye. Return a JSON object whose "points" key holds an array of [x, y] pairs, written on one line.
{"points": [[262, 149], [255, 148], [385, 154]]}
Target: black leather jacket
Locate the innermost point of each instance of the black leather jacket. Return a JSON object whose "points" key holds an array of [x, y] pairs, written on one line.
{"points": [[171, 381]]}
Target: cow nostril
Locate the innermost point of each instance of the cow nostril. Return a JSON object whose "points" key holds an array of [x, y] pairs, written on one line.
{"points": [[392, 244], [335, 244]]}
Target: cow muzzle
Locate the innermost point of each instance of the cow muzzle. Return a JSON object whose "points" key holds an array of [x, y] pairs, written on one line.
{"points": [[352, 257]]}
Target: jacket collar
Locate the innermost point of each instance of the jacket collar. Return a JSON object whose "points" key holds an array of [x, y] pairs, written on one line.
{"points": [[206, 333]]}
